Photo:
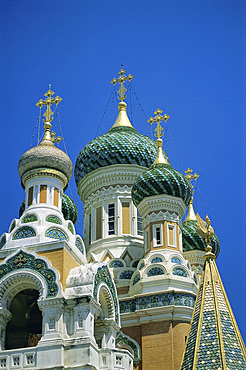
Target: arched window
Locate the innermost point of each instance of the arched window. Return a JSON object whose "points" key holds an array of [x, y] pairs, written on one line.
{"points": [[25, 327]]}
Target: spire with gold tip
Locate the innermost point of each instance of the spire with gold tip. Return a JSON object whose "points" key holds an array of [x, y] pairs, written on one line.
{"points": [[191, 238], [46, 156], [161, 178], [121, 145], [214, 340]]}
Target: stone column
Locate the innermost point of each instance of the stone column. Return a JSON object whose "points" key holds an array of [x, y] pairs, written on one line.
{"points": [[5, 316]]}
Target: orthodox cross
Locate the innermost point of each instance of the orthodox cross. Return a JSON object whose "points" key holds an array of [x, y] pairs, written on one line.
{"points": [[191, 176], [158, 118], [48, 114], [48, 101], [122, 90]]}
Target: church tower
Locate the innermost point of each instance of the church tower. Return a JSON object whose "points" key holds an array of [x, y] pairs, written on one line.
{"points": [[56, 311]]}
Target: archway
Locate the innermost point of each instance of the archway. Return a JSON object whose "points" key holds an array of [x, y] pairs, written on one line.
{"points": [[25, 327]]}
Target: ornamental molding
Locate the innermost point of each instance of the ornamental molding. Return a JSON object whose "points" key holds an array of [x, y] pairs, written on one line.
{"points": [[107, 193], [124, 341], [22, 270], [156, 301], [124, 174], [37, 172], [162, 202], [161, 216]]}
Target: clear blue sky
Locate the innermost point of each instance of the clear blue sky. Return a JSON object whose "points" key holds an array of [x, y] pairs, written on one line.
{"points": [[188, 58]]}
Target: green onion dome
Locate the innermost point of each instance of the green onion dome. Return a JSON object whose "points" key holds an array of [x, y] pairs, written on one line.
{"points": [[161, 178], [45, 156], [69, 209], [122, 144], [193, 241]]}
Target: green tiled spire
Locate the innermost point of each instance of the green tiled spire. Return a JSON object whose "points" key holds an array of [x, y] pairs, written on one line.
{"points": [[214, 341]]}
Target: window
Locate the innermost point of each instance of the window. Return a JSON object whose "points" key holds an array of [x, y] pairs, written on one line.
{"points": [[111, 219], [56, 196], [99, 222], [89, 228], [139, 224], [171, 235], [125, 218], [30, 196], [118, 360], [157, 232], [43, 193]]}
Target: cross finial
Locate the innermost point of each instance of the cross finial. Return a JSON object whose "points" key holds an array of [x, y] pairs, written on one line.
{"points": [[122, 90], [158, 118], [191, 176], [48, 114], [48, 101]]}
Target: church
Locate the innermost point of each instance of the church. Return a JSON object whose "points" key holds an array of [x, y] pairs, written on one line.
{"points": [[140, 290]]}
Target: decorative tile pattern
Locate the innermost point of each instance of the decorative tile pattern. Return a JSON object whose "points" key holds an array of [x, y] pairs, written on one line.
{"points": [[156, 260], [123, 339], [192, 241], [155, 271], [2, 241], [190, 348], [121, 145], [157, 300], [23, 260], [54, 219], [116, 264], [24, 232], [136, 279], [176, 260], [135, 263], [56, 233], [161, 179], [141, 266], [127, 274], [69, 209], [79, 245], [179, 272], [70, 228], [103, 276], [29, 218]]}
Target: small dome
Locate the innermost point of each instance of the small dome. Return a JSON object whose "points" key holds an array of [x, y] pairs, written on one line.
{"points": [[122, 144], [161, 178], [69, 209], [45, 155], [192, 240]]}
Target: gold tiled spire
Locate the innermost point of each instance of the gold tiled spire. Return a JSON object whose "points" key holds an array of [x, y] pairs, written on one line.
{"points": [[214, 341]]}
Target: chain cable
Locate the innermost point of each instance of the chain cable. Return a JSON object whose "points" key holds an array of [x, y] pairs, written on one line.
{"points": [[105, 110]]}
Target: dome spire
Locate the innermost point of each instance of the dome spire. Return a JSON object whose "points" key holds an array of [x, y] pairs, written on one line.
{"points": [[191, 213], [51, 136], [158, 133], [122, 118]]}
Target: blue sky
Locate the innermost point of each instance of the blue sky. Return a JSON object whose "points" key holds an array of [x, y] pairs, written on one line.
{"points": [[188, 58]]}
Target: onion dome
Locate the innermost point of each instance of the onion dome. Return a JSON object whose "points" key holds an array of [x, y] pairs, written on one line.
{"points": [[122, 144], [161, 178], [46, 156], [69, 209], [191, 239]]}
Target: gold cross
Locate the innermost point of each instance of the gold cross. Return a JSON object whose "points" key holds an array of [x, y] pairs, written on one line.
{"points": [[48, 101], [122, 90], [191, 176], [158, 118]]}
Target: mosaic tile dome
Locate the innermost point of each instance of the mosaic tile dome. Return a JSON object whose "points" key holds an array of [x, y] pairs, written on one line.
{"points": [[161, 179], [69, 209], [192, 241], [121, 145], [45, 155]]}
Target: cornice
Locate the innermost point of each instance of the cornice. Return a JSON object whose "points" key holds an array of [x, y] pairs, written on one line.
{"points": [[123, 174]]}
